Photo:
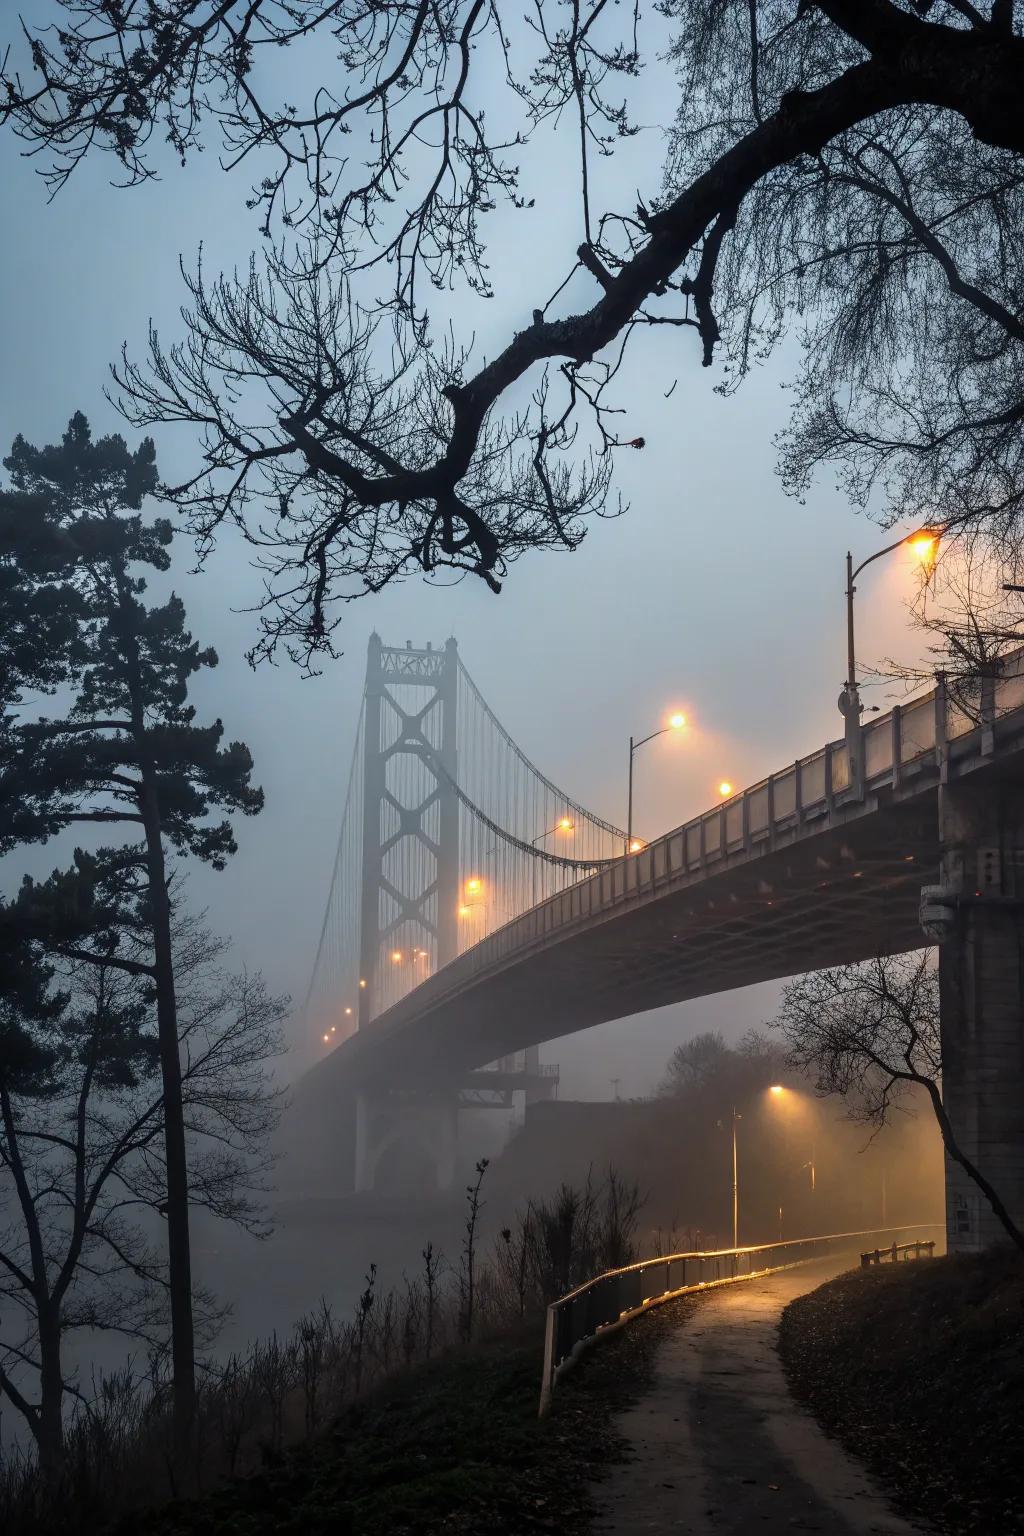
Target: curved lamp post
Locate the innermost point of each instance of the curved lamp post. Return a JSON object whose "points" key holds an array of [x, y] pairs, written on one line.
{"points": [[923, 542], [563, 824], [676, 723]]}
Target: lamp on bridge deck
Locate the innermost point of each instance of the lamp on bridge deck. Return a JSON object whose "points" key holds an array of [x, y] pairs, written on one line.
{"points": [[563, 824], [676, 723], [923, 544]]}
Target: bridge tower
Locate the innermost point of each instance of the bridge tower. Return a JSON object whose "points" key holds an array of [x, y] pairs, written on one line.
{"points": [[410, 879], [397, 733]]}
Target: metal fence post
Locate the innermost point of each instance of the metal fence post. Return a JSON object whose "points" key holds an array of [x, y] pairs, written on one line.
{"points": [[549, 1359]]}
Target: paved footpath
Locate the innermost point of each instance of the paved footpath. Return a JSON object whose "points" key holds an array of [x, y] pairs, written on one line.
{"points": [[720, 1447]]}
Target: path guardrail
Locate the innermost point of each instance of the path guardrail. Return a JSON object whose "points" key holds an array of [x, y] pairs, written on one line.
{"points": [[880, 1255], [614, 1298]]}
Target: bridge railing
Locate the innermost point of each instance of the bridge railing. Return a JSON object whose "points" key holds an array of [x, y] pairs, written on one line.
{"points": [[898, 745], [897, 1251], [912, 740], [615, 1297]]}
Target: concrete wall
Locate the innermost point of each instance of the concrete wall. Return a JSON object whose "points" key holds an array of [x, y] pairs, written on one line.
{"points": [[981, 971]]}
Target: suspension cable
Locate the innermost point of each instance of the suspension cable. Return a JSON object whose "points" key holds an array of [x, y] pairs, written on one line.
{"points": [[559, 794], [337, 862], [509, 837]]}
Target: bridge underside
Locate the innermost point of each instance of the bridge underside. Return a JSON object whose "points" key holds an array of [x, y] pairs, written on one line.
{"points": [[836, 893], [810, 868]]}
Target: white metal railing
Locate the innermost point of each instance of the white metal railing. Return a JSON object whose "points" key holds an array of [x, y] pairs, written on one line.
{"points": [[615, 1297]]}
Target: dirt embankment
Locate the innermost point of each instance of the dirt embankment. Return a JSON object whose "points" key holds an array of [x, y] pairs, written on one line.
{"points": [[455, 1446], [918, 1368]]}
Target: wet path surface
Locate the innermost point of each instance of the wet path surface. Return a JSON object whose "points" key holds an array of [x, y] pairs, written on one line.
{"points": [[718, 1446]]}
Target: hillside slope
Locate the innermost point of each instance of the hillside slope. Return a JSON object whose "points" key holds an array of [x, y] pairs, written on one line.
{"points": [[919, 1369]]}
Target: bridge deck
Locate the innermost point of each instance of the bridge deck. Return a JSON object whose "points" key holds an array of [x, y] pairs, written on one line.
{"points": [[793, 874]]}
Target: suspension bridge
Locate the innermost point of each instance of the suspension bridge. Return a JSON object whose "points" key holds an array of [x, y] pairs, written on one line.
{"points": [[477, 910], [448, 832]]}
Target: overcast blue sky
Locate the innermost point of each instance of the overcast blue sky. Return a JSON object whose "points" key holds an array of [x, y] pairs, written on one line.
{"points": [[715, 593]]}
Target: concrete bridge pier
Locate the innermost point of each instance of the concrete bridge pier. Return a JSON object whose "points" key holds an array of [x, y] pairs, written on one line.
{"points": [[406, 1141], [981, 979]]}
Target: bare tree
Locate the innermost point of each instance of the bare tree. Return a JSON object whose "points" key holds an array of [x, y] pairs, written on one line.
{"points": [[705, 1065], [853, 166], [82, 1159], [869, 1033], [971, 618], [694, 1063]]}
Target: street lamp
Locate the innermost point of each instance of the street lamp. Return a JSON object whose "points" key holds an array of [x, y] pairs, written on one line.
{"points": [[563, 824], [923, 543], [736, 1118], [735, 1184], [676, 723], [777, 1091]]}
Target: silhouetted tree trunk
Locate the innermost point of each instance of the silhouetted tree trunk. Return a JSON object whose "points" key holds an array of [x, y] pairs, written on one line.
{"points": [[972, 1171], [866, 1032], [179, 1256], [179, 1252], [50, 1422]]}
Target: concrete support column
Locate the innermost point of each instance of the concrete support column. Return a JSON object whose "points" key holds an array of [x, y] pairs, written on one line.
{"points": [[410, 1138], [981, 977]]}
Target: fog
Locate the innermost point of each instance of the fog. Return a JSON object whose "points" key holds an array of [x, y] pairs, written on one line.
{"points": [[714, 593]]}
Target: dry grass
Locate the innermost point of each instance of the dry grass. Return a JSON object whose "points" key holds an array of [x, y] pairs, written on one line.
{"points": [[455, 1448], [919, 1369], [284, 1392]]}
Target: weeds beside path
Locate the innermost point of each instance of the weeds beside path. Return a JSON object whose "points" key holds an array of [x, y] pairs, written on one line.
{"points": [[919, 1370], [455, 1446]]}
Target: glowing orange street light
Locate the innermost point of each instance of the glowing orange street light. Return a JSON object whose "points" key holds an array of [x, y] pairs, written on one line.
{"points": [[465, 911], [334, 1029], [362, 981], [923, 544], [473, 886], [327, 1039], [777, 1091], [348, 1011], [563, 824], [396, 956], [676, 722], [635, 845], [725, 788]]}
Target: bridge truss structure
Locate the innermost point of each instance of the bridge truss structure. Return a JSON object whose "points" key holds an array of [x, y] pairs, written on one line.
{"points": [[448, 833]]}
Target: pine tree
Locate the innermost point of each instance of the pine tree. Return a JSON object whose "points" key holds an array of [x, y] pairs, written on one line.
{"points": [[75, 548]]}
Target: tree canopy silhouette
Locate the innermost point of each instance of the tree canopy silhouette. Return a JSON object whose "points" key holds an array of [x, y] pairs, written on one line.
{"points": [[126, 754], [849, 167], [81, 1148]]}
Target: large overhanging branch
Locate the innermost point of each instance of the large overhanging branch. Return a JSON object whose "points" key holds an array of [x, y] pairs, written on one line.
{"points": [[969, 73], [368, 473]]}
